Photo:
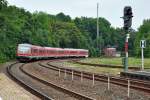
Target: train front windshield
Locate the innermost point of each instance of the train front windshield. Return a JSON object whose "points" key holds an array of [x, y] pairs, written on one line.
{"points": [[24, 49]]}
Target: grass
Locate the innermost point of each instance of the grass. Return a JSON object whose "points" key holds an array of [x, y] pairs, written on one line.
{"points": [[118, 61], [99, 70], [113, 61]]}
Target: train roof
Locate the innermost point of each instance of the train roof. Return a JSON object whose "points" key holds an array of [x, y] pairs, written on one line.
{"points": [[75, 49], [53, 48], [25, 44], [71, 49]]}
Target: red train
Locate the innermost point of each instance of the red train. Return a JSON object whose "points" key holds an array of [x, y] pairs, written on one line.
{"points": [[27, 52]]}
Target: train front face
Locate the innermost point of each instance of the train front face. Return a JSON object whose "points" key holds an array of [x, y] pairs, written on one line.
{"points": [[24, 52]]}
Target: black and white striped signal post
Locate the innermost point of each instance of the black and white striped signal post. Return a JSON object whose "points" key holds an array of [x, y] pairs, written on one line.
{"points": [[142, 45]]}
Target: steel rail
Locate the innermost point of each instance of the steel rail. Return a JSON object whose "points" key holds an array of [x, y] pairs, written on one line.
{"points": [[67, 91], [135, 84], [30, 88]]}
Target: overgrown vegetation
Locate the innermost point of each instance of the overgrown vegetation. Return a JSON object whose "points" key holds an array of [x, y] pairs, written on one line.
{"points": [[94, 69], [39, 28], [133, 62]]}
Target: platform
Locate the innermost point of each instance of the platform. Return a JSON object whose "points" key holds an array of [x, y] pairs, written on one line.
{"points": [[143, 75], [10, 90]]}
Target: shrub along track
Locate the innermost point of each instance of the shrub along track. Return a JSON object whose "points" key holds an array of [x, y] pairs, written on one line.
{"points": [[40, 87], [134, 83]]}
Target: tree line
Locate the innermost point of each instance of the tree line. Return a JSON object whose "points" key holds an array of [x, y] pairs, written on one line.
{"points": [[18, 25]]}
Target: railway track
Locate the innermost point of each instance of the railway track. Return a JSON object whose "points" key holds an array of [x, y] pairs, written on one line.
{"points": [[27, 86], [134, 84], [42, 95]]}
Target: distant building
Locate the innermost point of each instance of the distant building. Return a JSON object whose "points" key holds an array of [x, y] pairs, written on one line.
{"points": [[110, 52]]}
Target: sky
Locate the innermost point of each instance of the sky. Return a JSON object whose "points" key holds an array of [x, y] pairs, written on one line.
{"points": [[112, 10]]}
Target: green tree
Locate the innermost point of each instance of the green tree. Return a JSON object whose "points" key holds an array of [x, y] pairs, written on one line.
{"points": [[62, 17], [143, 33]]}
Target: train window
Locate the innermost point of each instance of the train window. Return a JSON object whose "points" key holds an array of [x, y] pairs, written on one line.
{"points": [[35, 50], [81, 52], [61, 52], [31, 50], [71, 52], [53, 51], [40, 51], [47, 52]]}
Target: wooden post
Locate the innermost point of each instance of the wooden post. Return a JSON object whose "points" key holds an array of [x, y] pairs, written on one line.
{"points": [[65, 73], [93, 79], [72, 75], [59, 72], [108, 82], [128, 88], [81, 76]]}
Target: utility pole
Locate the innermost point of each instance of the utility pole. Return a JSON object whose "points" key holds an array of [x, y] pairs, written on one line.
{"points": [[98, 30]]}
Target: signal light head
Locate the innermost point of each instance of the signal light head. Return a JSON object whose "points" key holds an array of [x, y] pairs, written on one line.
{"points": [[127, 17], [128, 11]]}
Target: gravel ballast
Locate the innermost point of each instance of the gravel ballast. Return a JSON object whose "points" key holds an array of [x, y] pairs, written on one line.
{"points": [[98, 91]]}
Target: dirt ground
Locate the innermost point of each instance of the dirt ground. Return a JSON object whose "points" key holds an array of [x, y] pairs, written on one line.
{"points": [[10, 90]]}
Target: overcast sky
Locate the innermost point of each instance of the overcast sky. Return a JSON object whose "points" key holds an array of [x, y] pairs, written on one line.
{"points": [[112, 10]]}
